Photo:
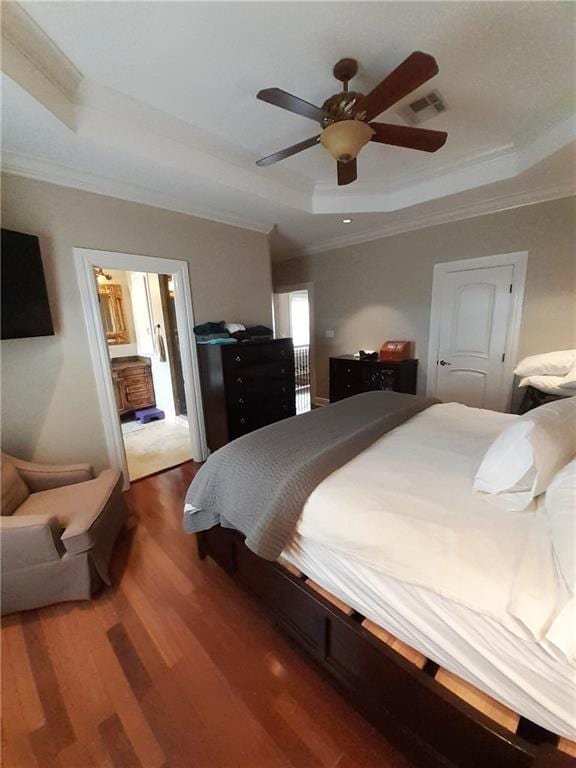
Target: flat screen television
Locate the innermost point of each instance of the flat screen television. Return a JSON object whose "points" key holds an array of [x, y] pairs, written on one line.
{"points": [[25, 308]]}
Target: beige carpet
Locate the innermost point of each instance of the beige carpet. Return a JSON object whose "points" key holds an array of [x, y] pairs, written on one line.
{"points": [[159, 445]]}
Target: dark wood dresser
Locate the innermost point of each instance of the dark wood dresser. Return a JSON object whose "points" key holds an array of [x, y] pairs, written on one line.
{"points": [[133, 385], [351, 376], [245, 386]]}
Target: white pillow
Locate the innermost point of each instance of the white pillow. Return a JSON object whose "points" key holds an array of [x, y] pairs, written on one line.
{"points": [[521, 462], [547, 364], [560, 507], [560, 510], [569, 381], [552, 385]]}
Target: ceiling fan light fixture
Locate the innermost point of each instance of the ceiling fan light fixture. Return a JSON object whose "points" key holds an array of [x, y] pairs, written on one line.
{"points": [[345, 138]]}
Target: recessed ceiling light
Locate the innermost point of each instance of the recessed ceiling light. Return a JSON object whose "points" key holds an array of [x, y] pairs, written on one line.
{"points": [[346, 221]]}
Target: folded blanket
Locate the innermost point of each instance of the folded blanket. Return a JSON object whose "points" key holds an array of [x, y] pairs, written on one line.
{"points": [[259, 483]]}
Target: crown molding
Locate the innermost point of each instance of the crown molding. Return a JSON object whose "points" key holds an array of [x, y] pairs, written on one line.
{"points": [[34, 61], [29, 38], [52, 173], [493, 204], [487, 167]]}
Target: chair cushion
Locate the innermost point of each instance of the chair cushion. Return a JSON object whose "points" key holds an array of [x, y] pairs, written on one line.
{"points": [[81, 500], [14, 490]]}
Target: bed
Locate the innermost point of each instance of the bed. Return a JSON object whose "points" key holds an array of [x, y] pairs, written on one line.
{"points": [[380, 550]]}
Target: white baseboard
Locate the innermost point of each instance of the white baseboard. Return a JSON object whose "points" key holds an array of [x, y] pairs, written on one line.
{"points": [[320, 401]]}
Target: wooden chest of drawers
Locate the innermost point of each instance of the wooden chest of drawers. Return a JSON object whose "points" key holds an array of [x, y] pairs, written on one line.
{"points": [[351, 376], [133, 385], [245, 386]]}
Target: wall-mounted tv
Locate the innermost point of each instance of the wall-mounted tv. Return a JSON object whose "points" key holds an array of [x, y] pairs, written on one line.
{"points": [[25, 308]]}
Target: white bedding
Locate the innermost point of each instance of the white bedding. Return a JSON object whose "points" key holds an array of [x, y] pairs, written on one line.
{"points": [[520, 673], [404, 507], [398, 534]]}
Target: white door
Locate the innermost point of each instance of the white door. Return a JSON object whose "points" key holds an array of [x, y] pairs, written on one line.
{"points": [[475, 312], [140, 298]]}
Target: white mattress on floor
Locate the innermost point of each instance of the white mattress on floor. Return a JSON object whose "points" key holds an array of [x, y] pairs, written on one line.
{"points": [[518, 672]]}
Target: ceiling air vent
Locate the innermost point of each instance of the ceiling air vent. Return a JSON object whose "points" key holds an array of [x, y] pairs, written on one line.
{"points": [[424, 108]]}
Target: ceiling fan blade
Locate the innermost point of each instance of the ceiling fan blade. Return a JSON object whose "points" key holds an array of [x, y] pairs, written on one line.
{"points": [[406, 136], [285, 100], [347, 172], [415, 70], [288, 151]]}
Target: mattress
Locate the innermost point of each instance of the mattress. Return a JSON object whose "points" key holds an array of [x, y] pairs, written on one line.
{"points": [[519, 673]]}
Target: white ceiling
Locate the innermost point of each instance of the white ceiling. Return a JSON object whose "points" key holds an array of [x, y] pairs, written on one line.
{"points": [[166, 109]]}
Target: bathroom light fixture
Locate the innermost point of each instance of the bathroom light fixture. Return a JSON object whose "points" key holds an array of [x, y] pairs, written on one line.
{"points": [[101, 276], [346, 221]]}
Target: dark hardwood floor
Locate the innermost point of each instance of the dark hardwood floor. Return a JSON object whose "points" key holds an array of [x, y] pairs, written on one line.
{"points": [[172, 667]]}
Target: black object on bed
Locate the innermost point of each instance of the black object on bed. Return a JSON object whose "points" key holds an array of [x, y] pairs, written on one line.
{"points": [[534, 397]]}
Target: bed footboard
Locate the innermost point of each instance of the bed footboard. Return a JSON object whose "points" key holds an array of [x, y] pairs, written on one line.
{"points": [[425, 720]]}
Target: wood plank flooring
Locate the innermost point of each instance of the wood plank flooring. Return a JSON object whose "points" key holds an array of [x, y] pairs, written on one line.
{"points": [[174, 667]]}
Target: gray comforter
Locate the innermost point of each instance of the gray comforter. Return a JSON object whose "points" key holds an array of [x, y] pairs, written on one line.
{"points": [[259, 483]]}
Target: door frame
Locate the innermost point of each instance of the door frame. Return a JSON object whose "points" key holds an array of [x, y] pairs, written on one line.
{"points": [[312, 349], [519, 261], [86, 259]]}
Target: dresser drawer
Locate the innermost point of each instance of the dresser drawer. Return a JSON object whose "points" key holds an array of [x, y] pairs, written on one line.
{"points": [[243, 423], [134, 381], [130, 373], [255, 391], [348, 371], [263, 378], [345, 379], [142, 386], [139, 397], [241, 356]]}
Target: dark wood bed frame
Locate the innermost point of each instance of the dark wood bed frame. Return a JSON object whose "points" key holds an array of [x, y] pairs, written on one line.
{"points": [[428, 723]]}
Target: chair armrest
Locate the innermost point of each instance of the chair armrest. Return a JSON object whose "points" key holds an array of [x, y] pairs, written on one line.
{"points": [[102, 494], [27, 540], [43, 477]]}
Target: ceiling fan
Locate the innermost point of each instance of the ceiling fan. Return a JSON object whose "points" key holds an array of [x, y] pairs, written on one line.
{"points": [[346, 116]]}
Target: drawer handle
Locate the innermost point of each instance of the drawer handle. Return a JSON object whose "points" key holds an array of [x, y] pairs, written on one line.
{"points": [[283, 352], [242, 420], [282, 370], [238, 358], [240, 380], [283, 389], [284, 407], [348, 370], [241, 400], [348, 386]]}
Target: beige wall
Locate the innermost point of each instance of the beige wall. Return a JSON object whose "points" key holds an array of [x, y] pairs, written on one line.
{"points": [[49, 406], [382, 289]]}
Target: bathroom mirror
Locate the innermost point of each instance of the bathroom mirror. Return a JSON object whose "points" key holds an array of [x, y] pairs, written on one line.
{"points": [[112, 313]]}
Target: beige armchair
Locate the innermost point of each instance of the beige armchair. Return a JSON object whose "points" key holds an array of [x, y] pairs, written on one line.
{"points": [[57, 530]]}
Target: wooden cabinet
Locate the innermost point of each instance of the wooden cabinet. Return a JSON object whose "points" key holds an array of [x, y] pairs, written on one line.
{"points": [[351, 376], [133, 385], [245, 386]]}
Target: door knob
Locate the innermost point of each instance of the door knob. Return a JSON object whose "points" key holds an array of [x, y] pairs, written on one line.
{"points": [[443, 362]]}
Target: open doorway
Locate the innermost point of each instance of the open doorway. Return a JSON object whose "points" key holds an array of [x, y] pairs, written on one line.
{"points": [[139, 318], [292, 318], [146, 368]]}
